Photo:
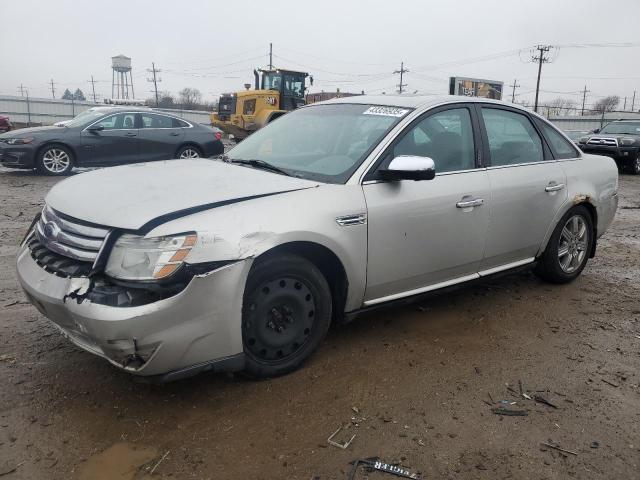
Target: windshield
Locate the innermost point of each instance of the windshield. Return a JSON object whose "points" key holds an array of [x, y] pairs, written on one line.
{"points": [[622, 128], [322, 142], [84, 117]]}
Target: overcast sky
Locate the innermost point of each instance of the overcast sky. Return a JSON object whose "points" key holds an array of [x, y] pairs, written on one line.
{"points": [[351, 45]]}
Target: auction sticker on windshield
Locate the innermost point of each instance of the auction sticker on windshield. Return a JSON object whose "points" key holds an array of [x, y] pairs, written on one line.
{"points": [[386, 111]]}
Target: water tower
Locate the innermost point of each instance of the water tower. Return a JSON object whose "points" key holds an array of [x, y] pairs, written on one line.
{"points": [[121, 78]]}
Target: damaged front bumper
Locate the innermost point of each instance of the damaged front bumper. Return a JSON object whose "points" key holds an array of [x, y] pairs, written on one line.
{"points": [[197, 329]]}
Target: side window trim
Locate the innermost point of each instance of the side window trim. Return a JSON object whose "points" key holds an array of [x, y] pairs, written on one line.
{"points": [[547, 155], [477, 141]]}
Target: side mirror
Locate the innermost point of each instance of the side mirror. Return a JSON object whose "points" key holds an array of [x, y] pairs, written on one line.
{"points": [[95, 128], [408, 167], [595, 130]]}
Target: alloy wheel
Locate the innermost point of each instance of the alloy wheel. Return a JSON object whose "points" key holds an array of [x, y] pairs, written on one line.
{"points": [[572, 246], [56, 160], [279, 319], [636, 165], [189, 153]]}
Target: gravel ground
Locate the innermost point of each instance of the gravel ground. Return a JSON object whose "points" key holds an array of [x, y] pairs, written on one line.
{"points": [[416, 385]]}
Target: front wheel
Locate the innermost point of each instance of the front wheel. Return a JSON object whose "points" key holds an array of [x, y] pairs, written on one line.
{"points": [[568, 249], [635, 166], [188, 151], [54, 160], [285, 315]]}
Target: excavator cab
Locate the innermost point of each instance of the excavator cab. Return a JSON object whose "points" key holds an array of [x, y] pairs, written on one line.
{"points": [[289, 84]]}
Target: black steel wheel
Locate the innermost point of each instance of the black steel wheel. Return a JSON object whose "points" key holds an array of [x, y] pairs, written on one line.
{"points": [[286, 314]]}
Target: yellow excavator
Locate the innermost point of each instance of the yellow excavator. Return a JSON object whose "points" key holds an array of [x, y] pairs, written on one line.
{"points": [[277, 92]]}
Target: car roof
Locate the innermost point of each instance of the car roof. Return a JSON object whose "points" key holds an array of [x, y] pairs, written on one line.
{"points": [[410, 101]]}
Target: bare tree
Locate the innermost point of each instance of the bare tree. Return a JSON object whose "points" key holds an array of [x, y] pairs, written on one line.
{"points": [[190, 98], [557, 106], [606, 104]]}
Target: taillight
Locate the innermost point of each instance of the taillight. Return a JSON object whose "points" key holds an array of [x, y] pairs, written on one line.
{"points": [[218, 135]]}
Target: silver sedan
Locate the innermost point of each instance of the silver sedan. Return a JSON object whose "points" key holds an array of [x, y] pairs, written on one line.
{"points": [[242, 263]]}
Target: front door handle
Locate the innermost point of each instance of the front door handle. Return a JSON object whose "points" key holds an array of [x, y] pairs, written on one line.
{"points": [[130, 134], [554, 187], [174, 134], [474, 202]]}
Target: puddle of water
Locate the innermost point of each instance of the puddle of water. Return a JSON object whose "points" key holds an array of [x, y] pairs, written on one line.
{"points": [[119, 462]]}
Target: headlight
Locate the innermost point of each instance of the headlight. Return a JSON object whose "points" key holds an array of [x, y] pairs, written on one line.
{"points": [[583, 140], [627, 141], [18, 141], [138, 258]]}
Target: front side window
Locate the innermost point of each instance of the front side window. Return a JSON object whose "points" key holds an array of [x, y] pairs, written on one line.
{"points": [[561, 147], [293, 85], [512, 137], [272, 81], [118, 122], [151, 120], [446, 137], [321, 142]]}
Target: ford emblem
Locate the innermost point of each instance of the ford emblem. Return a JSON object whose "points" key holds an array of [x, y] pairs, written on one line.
{"points": [[51, 231]]}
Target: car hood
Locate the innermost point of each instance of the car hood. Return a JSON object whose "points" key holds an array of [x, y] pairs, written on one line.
{"points": [[25, 132], [138, 195]]}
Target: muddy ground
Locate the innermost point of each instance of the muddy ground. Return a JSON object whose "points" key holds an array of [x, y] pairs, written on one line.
{"points": [[412, 383]]}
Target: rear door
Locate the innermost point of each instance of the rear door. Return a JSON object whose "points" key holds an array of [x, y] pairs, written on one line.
{"points": [[423, 234], [528, 187], [116, 143], [160, 136]]}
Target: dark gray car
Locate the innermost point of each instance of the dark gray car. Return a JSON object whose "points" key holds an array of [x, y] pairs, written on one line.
{"points": [[108, 136]]}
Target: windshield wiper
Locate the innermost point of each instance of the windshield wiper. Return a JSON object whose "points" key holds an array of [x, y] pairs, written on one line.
{"points": [[255, 163]]}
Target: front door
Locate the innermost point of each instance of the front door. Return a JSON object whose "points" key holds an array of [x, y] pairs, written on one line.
{"points": [[426, 234], [527, 184], [159, 137], [116, 143]]}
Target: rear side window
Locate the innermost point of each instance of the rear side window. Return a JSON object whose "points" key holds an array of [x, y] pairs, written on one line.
{"points": [[177, 123], [151, 120], [512, 138], [560, 146]]}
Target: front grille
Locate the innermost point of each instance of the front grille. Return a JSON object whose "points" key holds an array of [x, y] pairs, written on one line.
{"points": [[57, 264], [610, 142], [68, 237]]}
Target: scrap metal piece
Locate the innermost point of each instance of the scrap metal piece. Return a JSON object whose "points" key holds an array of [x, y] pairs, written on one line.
{"points": [[374, 463], [541, 399], [343, 446], [509, 412], [555, 447]]}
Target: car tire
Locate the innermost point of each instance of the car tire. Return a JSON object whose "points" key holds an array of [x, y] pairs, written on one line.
{"points": [[188, 151], [635, 165], [54, 160], [286, 313], [568, 248]]}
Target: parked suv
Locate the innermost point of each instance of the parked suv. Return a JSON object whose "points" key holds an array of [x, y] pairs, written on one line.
{"points": [[108, 136], [338, 207], [619, 140]]}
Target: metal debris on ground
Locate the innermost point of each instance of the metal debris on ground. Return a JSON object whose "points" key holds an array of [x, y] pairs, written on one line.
{"points": [[556, 447], [374, 464], [509, 412], [610, 383], [344, 445], [541, 399], [595, 444]]}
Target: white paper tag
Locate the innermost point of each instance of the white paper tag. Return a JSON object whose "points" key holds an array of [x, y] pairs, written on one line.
{"points": [[386, 111]]}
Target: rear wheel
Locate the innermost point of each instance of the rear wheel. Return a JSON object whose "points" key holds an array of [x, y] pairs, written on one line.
{"points": [[54, 160], [189, 151], [635, 166], [285, 316], [568, 249]]}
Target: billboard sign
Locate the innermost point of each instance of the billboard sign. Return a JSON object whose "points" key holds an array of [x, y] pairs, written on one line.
{"points": [[475, 87]]}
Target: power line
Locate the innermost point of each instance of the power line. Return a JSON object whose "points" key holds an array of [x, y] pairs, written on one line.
{"points": [[155, 80], [542, 49], [402, 71]]}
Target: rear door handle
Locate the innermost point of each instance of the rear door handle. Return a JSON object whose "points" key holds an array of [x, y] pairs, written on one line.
{"points": [[554, 187], [130, 134], [174, 134], [474, 202]]}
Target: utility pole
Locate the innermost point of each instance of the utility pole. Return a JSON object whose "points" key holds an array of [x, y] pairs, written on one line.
{"points": [[633, 101], [542, 49], [155, 80], [22, 89], [402, 71], [513, 92], [270, 56], [53, 89], [584, 97], [28, 108], [93, 88], [624, 108]]}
